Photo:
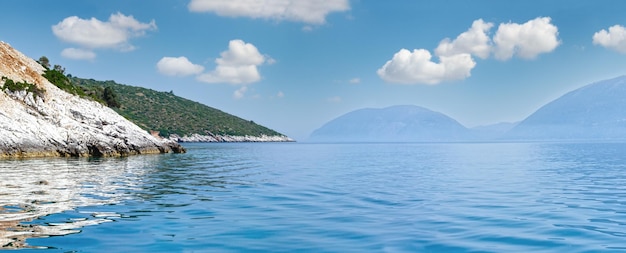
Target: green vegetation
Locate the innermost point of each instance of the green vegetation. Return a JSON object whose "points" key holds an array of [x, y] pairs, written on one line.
{"points": [[59, 79], [167, 113], [110, 97], [44, 62], [57, 76], [152, 110], [19, 86]]}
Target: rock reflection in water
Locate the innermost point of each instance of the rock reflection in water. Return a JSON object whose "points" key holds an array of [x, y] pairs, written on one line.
{"points": [[38, 187]]}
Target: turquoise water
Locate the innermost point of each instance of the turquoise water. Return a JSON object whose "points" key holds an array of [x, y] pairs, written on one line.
{"points": [[294, 197]]}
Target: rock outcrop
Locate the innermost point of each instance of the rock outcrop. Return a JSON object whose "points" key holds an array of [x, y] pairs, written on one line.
{"points": [[56, 123], [230, 138]]}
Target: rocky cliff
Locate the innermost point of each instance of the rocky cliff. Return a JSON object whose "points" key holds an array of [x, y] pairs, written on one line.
{"points": [[47, 121]]}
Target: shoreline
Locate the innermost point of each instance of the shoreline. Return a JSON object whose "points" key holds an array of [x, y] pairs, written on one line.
{"points": [[197, 138]]}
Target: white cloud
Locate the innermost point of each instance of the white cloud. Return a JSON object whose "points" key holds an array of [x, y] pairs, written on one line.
{"points": [[525, 40], [78, 54], [474, 41], [280, 94], [614, 38], [178, 66], [417, 67], [93, 33], [355, 80], [269, 60], [307, 11], [455, 56], [238, 94], [237, 65]]}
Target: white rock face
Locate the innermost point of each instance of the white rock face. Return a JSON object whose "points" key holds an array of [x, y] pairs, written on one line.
{"points": [[62, 124], [230, 138]]}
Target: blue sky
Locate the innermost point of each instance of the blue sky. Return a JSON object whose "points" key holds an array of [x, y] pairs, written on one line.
{"points": [[293, 65]]}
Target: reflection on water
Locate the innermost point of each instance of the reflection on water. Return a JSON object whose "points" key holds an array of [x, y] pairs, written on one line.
{"points": [[464, 197], [38, 187]]}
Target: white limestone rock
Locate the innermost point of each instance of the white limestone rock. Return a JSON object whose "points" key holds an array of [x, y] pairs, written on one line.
{"points": [[61, 124], [230, 138]]}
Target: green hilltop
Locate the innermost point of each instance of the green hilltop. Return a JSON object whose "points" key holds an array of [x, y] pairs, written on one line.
{"points": [[167, 113]]}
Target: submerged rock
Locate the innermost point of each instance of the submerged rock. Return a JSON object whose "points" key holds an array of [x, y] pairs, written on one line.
{"points": [[56, 123]]}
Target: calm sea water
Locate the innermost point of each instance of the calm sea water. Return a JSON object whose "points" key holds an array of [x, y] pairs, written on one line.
{"points": [[277, 197]]}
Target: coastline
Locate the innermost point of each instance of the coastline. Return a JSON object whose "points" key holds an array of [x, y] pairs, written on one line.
{"points": [[50, 122], [229, 138]]}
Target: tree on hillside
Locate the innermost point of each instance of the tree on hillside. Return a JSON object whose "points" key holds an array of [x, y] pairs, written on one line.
{"points": [[44, 62], [59, 68], [110, 97]]}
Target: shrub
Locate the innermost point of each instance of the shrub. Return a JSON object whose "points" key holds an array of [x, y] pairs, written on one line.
{"points": [[57, 78], [110, 97], [106, 96], [22, 86]]}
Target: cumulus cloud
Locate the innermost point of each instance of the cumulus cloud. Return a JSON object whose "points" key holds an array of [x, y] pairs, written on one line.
{"points": [[614, 38], [474, 41], [93, 33], [237, 65], [417, 67], [525, 40], [78, 54], [307, 11], [178, 66]]}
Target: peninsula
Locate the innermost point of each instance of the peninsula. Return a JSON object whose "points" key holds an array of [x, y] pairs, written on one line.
{"points": [[38, 119]]}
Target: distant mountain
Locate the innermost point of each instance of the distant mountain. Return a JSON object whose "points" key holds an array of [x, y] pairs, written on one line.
{"points": [[403, 123], [595, 111], [175, 117]]}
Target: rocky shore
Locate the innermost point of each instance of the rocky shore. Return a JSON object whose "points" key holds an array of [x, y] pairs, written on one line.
{"points": [[229, 138], [56, 123]]}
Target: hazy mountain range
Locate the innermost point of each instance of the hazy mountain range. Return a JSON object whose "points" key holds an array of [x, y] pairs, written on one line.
{"points": [[396, 123], [594, 112]]}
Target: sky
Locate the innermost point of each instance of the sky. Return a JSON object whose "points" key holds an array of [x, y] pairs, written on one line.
{"points": [[293, 65]]}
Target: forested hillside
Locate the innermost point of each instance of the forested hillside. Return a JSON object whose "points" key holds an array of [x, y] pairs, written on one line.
{"points": [[167, 113]]}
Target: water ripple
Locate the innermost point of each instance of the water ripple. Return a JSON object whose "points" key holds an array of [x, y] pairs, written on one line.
{"points": [[466, 197]]}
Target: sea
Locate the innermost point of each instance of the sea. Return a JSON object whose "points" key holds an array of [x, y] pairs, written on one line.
{"points": [[322, 197]]}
